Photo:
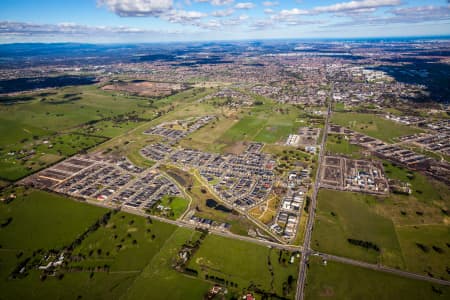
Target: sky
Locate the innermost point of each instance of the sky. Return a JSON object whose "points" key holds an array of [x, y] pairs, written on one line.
{"points": [[130, 21]]}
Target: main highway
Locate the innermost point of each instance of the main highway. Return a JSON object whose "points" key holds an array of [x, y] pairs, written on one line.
{"points": [[312, 212]]}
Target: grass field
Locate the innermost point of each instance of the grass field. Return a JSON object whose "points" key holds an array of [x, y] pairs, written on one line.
{"points": [[259, 266], [344, 215], [43, 220], [337, 144], [159, 281], [373, 125], [411, 230], [55, 118], [127, 243], [48, 125], [423, 188], [433, 258], [339, 281], [139, 254], [267, 123], [206, 138], [177, 206]]}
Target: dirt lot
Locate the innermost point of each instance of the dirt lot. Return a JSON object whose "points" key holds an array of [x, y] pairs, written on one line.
{"points": [[145, 88]]}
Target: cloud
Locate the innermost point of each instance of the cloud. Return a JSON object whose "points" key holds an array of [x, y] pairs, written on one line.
{"points": [[263, 24], [270, 3], [182, 16], [355, 5], [217, 2], [429, 12], [269, 11], [33, 29], [292, 12], [244, 5], [222, 13], [405, 15], [210, 25], [137, 8], [216, 24]]}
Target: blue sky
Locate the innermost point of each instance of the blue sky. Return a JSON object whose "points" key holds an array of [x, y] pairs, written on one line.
{"points": [[180, 20]]}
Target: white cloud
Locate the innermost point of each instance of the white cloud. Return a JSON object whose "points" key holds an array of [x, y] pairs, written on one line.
{"points": [[424, 11], [269, 11], [262, 25], [223, 13], [244, 5], [404, 15], [356, 5], [217, 2], [137, 8], [182, 16], [33, 29], [293, 12], [270, 3]]}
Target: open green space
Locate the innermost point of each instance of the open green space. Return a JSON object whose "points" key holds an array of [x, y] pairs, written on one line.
{"points": [[43, 220], [337, 144], [19, 159], [54, 125], [247, 265], [158, 280], [344, 215], [339, 281], [128, 257], [206, 138], [411, 231], [268, 123], [126, 243], [373, 125], [172, 207], [426, 249], [423, 188]]}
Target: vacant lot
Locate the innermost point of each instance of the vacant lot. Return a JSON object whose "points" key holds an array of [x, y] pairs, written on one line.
{"points": [[373, 125], [411, 231], [144, 88], [339, 281], [265, 123], [344, 215], [246, 264], [426, 249], [337, 144], [43, 220]]}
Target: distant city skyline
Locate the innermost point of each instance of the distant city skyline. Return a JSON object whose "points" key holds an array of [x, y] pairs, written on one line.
{"points": [[130, 21]]}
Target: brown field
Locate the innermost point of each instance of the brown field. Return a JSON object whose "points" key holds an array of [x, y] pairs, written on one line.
{"points": [[145, 88]]}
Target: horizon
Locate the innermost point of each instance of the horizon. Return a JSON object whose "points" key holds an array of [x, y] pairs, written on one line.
{"points": [[155, 21], [312, 39]]}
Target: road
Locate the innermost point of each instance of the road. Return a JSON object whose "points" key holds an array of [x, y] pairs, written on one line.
{"points": [[186, 224], [381, 268], [312, 212], [266, 243]]}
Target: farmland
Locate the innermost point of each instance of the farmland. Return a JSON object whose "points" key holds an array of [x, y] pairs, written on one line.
{"points": [[410, 230], [129, 256], [344, 215], [337, 281], [267, 269]]}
